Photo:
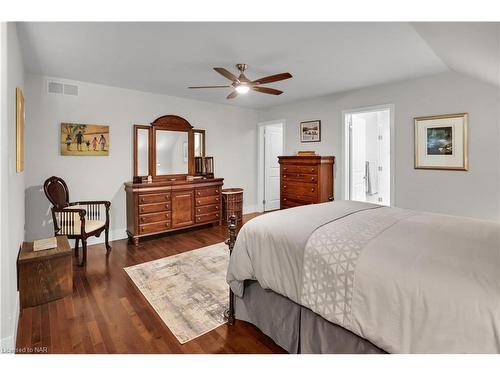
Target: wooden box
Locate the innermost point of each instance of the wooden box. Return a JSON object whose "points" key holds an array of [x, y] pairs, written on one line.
{"points": [[44, 275]]}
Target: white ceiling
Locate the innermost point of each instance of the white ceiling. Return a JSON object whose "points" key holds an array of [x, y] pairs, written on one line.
{"points": [[323, 58]]}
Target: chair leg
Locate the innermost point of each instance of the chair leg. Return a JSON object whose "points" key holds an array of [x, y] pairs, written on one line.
{"points": [[84, 250], [77, 242], [106, 240]]}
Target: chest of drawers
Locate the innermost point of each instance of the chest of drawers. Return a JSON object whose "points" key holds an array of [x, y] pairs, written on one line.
{"points": [[305, 180], [159, 207]]}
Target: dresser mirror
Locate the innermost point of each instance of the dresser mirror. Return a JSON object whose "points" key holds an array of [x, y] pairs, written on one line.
{"points": [[141, 150], [171, 152], [199, 142], [166, 149]]}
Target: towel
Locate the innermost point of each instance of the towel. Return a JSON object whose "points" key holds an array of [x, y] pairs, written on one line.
{"points": [[371, 180]]}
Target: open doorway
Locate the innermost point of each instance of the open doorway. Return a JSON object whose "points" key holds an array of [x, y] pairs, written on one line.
{"points": [[368, 169], [270, 147]]}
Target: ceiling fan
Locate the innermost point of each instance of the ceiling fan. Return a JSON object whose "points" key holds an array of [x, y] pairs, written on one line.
{"points": [[242, 84]]}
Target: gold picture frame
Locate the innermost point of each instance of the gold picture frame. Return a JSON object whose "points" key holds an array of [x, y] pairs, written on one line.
{"points": [[441, 142], [20, 116]]}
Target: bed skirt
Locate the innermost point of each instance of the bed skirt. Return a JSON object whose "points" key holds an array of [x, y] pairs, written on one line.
{"points": [[296, 328]]}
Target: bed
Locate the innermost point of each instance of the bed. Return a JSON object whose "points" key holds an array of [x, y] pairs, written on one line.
{"points": [[355, 277]]}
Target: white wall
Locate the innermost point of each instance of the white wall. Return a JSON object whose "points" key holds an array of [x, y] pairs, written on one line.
{"points": [[474, 193], [12, 185], [230, 137]]}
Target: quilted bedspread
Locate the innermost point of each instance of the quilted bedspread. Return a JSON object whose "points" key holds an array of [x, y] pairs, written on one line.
{"points": [[409, 282]]}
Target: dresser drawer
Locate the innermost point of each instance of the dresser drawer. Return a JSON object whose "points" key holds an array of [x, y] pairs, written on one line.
{"points": [[154, 227], [307, 169], [153, 207], [207, 192], [207, 200], [153, 218], [292, 188], [296, 200], [207, 209], [301, 177], [154, 198], [206, 218]]}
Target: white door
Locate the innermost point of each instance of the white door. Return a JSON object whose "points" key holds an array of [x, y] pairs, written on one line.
{"points": [[273, 147], [358, 159]]}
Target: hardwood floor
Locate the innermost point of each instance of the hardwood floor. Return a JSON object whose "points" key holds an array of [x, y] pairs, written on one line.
{"points": [[107, 314]]}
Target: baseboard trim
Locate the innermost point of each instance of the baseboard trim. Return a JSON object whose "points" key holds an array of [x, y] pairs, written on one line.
{"points": [[114, 234], [8, 344], [249, 209]]}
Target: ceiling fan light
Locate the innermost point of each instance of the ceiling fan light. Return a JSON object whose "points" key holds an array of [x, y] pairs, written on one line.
{"points": [[242, 89]]}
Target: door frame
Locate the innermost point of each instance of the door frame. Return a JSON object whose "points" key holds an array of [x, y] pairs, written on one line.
{"points": [[346, 149], [260, 158]]}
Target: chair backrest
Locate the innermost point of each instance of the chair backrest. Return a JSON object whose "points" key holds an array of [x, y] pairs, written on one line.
{"points": [[57, 192]]}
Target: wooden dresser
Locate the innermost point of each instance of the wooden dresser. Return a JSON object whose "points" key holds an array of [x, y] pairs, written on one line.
{"points": [[305, 180], [166, 206]]}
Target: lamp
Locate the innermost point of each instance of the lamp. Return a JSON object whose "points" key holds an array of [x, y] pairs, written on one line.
{"points": [[242, 88]]}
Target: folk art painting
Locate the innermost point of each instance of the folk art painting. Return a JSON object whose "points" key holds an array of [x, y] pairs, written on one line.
{"points": [[84, 140]]}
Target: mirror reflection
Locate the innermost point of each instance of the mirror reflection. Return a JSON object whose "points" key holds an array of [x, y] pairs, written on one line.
{"points": [[142, 152], [198, 144], [171, 152]]}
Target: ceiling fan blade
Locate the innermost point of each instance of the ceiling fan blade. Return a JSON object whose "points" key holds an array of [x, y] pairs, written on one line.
{"points": [[234, 94], [273, 78], [226, 73], [207, 87], [267, 90]]}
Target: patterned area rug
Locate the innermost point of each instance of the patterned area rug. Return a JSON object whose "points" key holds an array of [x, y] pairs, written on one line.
{"points": [[188, 291]]}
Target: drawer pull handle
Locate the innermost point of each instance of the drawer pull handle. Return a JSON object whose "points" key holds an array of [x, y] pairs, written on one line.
{"points": [[142, 209], [312, 178], [142, 229], [166, 216], [167, 197], [285, 169], [142, 219], [217, 199], [199, 210], [217, 191], [216, 207], [284, 199], [142, 200], [284, 176], [199, 193], [284, 186], [166, 225], [312, 169], [216, 215], [312, 190]]}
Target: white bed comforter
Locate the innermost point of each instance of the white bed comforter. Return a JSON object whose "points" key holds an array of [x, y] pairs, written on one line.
{"points": [[409, 282]]}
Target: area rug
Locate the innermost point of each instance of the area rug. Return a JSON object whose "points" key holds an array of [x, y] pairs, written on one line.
{"points": [[188, 290]]}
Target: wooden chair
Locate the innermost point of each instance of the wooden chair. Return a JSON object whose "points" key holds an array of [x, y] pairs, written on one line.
{"points": [[76, 220]]}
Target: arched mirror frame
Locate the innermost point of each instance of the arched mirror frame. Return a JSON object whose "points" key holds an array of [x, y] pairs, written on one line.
{"points": [[171, 123]]}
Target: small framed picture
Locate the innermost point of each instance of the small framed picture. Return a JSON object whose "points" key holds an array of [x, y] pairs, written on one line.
{"points": [[310, 131], [441, 142], [84, 139]]}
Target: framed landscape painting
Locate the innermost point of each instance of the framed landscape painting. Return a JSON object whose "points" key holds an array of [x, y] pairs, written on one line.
{"points": [[84, 139], [310, 131], [441, 142]]}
